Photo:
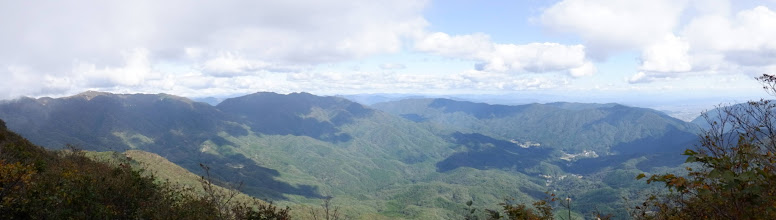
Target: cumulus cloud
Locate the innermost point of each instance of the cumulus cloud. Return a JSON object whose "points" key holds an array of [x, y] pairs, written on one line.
{"points": [[748, 34], [640, 77], [668, 55], [612, 26], [311, 31], [714, 42], [674, 37], [229, 47], [532, 58], [85, 40], [19, 81], [229, 65], [587, 69], [465, 46], [135, 70], [390, 82], [392, 66]]}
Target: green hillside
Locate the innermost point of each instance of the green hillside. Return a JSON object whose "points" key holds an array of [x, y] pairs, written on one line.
{"points": [[572, 127], [331, 146], [160, 168], [416, 159], [611, 132], [39, 184]]}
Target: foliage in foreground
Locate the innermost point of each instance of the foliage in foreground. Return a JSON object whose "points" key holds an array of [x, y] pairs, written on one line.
{"points": [[737, 159], [541, 210], [731, 172], [40, 184]]}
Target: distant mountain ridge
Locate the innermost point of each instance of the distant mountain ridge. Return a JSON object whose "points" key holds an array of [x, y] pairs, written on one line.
{"points": [[271, 113], [544, 123], [172, 126], [613, 132], [316, 141], [414, 158]]}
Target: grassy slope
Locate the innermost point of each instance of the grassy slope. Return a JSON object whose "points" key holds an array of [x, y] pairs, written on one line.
{"points": [[161, 168], [68, 184], [164, 170]]}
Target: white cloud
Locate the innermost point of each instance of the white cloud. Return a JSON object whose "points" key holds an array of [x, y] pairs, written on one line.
{"points": [[640, 77], [228, 47], [612, 26], [330, 82], [748, 30], [17, 81], [136, 69], [56, 38], [746, 39], [587, 69], [230, 64], [533, 57], [476, 45], [712, 43], [675, 38], [668, 55], [392, 66]]}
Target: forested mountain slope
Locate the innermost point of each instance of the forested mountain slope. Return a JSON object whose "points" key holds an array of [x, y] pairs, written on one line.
{"points": [[612, 132], [36, 183], [422, 158]]}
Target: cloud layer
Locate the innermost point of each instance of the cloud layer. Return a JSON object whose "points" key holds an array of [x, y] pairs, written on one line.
{"points": [[228, 47], [494, 57], [675, 38], [87, 44], [609, 26]]}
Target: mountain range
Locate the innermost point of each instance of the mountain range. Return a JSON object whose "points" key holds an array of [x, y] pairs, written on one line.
{"points": [[411, 158]]}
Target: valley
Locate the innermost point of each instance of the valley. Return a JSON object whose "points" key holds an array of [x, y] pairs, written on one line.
{"points": [[401, 109], [411, 158]]}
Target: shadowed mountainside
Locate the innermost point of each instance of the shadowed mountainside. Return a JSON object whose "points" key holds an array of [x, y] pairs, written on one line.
{"points": [[483, 152], [173, 127], [615, 133], [275, 114], [571, 127], [417, 158]]}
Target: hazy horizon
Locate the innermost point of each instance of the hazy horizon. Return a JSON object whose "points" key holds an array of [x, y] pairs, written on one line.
{"points": [[206, 95], [684, 108], [647, 54]]}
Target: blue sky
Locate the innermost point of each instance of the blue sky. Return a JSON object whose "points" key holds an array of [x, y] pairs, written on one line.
{"points": [[585, 50]]}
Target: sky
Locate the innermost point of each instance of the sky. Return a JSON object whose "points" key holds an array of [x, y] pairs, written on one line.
{"points": [[657, 49]]}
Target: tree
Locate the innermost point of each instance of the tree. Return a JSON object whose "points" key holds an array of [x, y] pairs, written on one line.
{"points": [[225, 204], [330, 212], [543, 210], [733, 167]]}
